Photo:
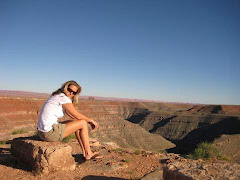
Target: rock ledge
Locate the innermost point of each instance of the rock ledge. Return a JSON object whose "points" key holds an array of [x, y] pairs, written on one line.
{"points": [[185, 169]]}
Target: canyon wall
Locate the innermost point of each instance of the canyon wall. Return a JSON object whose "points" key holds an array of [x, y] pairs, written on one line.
{"points": [[19, 113], [142, 125], [16, 113], [187, 127]]}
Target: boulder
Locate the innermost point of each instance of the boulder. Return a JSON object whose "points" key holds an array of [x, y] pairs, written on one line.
{"points": [[43, 157]]}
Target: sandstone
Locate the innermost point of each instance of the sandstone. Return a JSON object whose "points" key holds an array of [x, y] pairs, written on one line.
{"points": [[154, 175], [43, 157], [201, 170]]}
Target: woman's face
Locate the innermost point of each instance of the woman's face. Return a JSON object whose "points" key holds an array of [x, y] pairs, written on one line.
{"points": [[71, 91]]}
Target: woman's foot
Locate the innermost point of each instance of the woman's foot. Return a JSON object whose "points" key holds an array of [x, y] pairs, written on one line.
{"points": [[83, 153], [94, 155]]}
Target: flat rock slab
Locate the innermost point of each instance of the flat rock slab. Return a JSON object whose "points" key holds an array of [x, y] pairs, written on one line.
{"points": [[201, 170], [155, 175], [43, 157]]}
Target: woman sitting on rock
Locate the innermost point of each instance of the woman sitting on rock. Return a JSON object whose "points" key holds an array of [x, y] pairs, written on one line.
{"points": [[63, 100]]}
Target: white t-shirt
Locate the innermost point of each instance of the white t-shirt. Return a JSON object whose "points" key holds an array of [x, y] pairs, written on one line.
{"points": [[52, 110]]}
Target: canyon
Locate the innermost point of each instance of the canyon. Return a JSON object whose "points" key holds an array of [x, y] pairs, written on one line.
{"points": [[145, 129], [154, 126]]}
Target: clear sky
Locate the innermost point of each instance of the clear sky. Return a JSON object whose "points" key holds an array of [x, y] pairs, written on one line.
{"points": [[172, 50]]}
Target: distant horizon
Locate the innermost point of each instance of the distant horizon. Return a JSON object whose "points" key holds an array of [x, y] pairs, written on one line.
{"points": [[116, 98], [171, 51]]}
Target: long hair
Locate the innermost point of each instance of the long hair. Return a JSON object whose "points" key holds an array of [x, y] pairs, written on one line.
{"points": [[64, 87]]}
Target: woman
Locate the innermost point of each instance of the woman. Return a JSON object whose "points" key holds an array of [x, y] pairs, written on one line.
{"points": [[62, 100]]}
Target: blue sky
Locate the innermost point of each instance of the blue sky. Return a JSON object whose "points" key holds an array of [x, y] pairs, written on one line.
{"points": [[176, 51]]}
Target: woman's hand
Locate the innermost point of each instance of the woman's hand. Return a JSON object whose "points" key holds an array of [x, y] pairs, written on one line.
{"points": [[93, 124]]}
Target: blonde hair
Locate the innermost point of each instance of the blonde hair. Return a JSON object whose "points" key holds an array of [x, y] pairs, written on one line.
{"points": [[64, 87]]}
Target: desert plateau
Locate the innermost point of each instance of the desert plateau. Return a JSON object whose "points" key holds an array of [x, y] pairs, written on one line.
{"points": [[139, 139]]}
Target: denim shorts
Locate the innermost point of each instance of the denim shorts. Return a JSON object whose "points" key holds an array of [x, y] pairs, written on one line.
{"points": [[56, 134]]}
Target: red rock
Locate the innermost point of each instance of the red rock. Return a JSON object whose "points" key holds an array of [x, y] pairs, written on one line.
{"points": [[43, 157]]}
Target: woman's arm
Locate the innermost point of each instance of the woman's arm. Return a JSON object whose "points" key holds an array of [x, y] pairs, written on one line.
{"points": [[69, 114], [73, 113]]}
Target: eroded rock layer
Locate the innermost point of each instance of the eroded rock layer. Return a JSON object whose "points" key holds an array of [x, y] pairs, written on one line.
{"points": [[137, 124], [23, 113]]}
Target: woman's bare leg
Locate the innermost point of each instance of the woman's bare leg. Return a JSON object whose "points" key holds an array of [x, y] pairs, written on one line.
{"points": [[77, 134], [82, 126]]}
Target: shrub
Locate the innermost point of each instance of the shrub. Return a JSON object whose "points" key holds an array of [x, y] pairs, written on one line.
{"points": [[225, 157], [127, 160], [20, 131], [206, 150], [69, 138], [3, 142], [117, 150], [137, 152]]}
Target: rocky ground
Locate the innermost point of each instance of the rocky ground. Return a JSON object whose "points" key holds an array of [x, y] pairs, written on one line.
{"points": [[122, 163], [117, 121], [117, 163]]}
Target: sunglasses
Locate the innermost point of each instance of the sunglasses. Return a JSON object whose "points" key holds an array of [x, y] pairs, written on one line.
{"points": [[71, 91]]}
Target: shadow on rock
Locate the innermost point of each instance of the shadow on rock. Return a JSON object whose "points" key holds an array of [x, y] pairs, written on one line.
{"points": [[8, 160], [34, 137], [229, 125], [101, 178], [137, 118], [161, 123]]}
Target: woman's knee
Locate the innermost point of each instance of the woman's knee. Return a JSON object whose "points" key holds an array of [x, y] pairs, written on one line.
{"points": [[84, 123]]}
